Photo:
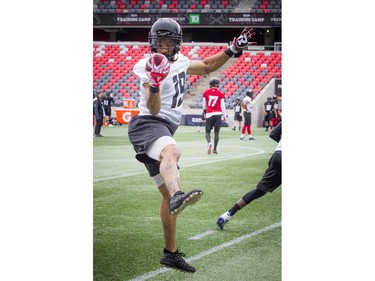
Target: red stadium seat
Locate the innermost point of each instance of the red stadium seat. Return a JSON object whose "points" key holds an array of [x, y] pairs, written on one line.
{"points": [[112, 65]]}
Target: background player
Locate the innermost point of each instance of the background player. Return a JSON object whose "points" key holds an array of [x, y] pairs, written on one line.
{"points": [[237, 115], [269, 114], [247, 107], [108, 101], [214, 105]]}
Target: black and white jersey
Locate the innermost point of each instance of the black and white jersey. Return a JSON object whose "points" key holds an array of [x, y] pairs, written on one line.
{"points": [[172, 89], [268, 106], [108, 101], [237, 107]]}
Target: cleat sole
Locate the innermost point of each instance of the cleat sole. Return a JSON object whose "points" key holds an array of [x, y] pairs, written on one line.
{"points": [[192, 199]]}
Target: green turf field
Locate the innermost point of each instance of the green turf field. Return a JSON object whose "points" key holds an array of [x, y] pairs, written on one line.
{"points": [[127, 230]]}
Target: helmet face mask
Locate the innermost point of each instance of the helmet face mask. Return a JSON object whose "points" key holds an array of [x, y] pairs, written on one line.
{"points": [[164, 42], [166, 35]]}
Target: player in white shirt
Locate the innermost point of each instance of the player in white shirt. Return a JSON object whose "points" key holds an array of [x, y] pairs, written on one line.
{"points": [[151, 132], [247, 106]]}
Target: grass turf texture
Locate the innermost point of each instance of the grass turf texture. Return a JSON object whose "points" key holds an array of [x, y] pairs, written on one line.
{"points": [[128, 237]]}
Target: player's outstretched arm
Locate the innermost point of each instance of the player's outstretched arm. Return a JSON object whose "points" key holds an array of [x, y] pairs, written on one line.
{"points": [[157, 68], [214, 62], [153, 100]]}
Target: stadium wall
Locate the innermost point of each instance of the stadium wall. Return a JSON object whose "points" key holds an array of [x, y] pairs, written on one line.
{"points": [[257, 114]]}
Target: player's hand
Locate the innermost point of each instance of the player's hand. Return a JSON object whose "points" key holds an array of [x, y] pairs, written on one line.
{"points": [[243, 40], [157, 68]]}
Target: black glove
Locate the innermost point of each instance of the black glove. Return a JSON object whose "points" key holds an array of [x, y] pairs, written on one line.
{"points": [[243, 40]]}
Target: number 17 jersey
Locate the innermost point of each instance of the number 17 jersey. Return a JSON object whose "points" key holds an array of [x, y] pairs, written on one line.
{"points": [[214, 102]]}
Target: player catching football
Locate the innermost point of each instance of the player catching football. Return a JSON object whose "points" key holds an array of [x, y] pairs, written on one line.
{"points": [[162, 83]]}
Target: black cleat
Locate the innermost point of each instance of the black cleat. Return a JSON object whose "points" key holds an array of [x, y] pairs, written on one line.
{"points": [[175, 261], [180, 200]]}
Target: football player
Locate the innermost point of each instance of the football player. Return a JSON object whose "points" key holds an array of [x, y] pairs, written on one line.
{"points": [[162, 85], [247, 106], [270, 181], [214, 105], [268, 113]]}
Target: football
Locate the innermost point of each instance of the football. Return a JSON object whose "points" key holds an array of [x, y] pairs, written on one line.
{"points": [[159, 61]]}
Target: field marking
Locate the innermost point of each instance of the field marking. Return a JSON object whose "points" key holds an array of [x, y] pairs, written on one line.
{"points": [[208, 159], [202, 235], [210, 251]]}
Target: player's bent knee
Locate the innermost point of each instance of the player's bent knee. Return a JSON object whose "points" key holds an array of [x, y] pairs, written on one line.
{"points": [[171, 150], [155, 150]]}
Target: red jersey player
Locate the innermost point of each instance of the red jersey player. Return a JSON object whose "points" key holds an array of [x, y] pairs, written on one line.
{"points": [[214, 106]]}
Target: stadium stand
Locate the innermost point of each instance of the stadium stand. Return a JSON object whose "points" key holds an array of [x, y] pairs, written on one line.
{"points": [[253, 70], [167, 6], [266, 6], [113, 63], [176, 6]]}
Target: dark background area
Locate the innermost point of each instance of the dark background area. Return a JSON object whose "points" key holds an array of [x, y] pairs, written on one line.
{"points": [[217, 35]]}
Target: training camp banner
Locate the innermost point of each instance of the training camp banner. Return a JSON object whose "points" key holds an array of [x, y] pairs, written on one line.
{"points": [[189, 19]]}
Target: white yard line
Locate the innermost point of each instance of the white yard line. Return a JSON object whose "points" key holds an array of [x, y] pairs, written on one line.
{"points": [[210, 251], [211, 160], [202, 235]]}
